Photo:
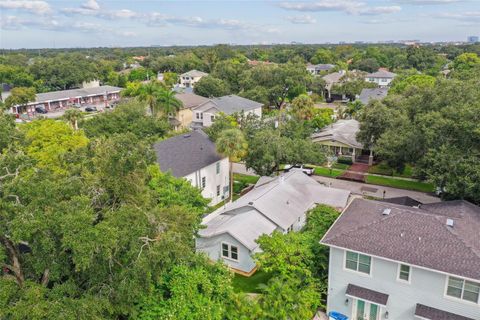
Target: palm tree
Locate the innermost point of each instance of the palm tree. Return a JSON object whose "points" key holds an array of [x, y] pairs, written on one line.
{"points": [[72, 116], [232, 144], [168, 103], [149, 93]]}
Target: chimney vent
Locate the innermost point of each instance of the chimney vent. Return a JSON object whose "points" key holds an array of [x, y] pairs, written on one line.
{"points": [[386, 211], [450, 222]]}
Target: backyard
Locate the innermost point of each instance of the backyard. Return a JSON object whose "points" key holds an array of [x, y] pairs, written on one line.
{"points": [[250, 284]]}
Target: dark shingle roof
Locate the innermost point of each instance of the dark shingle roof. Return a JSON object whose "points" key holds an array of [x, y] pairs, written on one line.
{"points": [[367, 294], [184, 154], [404, 201], [417, 236], [368, 94], [436, 314]]}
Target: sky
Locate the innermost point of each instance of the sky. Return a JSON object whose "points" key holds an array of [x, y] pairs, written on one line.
{"points": [[94, 23]]}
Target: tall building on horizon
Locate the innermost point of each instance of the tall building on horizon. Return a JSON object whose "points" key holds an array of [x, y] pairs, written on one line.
{"points": [[473, 39]]}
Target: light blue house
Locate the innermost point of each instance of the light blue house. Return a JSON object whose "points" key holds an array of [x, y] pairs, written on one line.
{"points": [[390, 261], [280, 203]]}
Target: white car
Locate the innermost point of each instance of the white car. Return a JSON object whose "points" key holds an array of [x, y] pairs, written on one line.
{"points": [[305, 169]]}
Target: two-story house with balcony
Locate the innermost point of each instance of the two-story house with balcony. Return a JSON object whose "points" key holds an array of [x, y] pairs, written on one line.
{"points": [[193, 156], [188, 79], [395, 262], [204, 114]]}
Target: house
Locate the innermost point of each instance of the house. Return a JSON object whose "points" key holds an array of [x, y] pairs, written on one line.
{"points": [[204, 114], [382, 77], [193, 156], [390, 261], [184, 116], [54, 100], [279, 203], [330, 80], [188, 79], [341, 138], [316, 69], [369, 94]]}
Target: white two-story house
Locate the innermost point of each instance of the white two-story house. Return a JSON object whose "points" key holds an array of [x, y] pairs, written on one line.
{"points": [[193, 156], [188, 79], [382, 77], [204, 115], [395, 262]]}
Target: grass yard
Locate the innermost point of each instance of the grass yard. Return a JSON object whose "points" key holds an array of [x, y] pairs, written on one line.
{"points": [[250, 284], [322, 171], [342, 166], [401, 184], [383, 169], [246, 179]]}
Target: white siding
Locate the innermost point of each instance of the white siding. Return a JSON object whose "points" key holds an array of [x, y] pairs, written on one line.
{"points": [[212, 180], [426, 287]]}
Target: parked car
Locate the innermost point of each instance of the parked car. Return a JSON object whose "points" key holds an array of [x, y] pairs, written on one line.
{"points": [[40, 110], [91, 109], [305, 169]]}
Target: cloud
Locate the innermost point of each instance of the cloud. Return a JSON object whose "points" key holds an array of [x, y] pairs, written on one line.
{"points": [[467, 17], [353, 7], [91, 5], [41, 7], [305, 19], [427, 2], [385, 21]]}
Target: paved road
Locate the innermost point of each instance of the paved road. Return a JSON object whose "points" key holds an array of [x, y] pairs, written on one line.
{"points": [[358, 188], [374, 190]]}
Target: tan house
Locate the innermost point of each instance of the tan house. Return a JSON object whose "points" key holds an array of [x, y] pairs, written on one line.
{"points": [[188, 79], [184, 116], [341, 138]]}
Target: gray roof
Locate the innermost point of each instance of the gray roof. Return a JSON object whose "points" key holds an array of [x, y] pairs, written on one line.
{"points": [[273, 203], [368, 94], [229, 104], [194, 73], [190, 100], [416, 236], [367, 294], [187, 153], [435, 314], [74, 93], [381, 73], [333, 77], [321, 67], [344, 131]]}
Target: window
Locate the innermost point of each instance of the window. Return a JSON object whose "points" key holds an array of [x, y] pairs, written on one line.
{"points": [[204, 182], [218, 167], [404, 273], [358, 262], [212, 118], [229, 251], [218, 191], [198, 115], [463, 289]]}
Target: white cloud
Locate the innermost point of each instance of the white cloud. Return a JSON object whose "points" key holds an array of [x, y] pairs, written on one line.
{"points": [[427, 2], [41, 7], [470, 17], [91, 5], [353, 7], [305, 19]]}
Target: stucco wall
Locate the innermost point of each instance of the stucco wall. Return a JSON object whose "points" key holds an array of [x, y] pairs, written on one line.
{"points": [[426, 287], [185, 116]]}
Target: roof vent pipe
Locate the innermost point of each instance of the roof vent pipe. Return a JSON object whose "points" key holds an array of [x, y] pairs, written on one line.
{"points": [[450, 222], [386, 211]]}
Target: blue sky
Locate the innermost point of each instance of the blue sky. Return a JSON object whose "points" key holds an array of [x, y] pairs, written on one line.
{"points": [[90, 23]]}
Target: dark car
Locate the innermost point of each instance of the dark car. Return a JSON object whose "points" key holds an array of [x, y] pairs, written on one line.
{"points": [[91, 109], [40, 110]]}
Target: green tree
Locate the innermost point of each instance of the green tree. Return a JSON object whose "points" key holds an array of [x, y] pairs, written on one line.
{"points": [[302, 107], [73, 116], [232, 144], [20, 96], [466, 61], [210, 87], [168, 103], [417, 80]]}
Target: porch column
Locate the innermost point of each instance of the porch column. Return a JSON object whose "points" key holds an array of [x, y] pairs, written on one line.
{"points": [[370, 158], [340, 152], [353, 155]]}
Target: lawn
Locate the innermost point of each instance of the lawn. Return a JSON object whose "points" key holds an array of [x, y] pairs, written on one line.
{"points": [[401, 184], [342, 166], [246, 179], [322, 171], [250, 284], [383, 169]]}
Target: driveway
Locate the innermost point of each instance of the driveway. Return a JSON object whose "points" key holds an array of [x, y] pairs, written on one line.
{"points": [[374, 190]]}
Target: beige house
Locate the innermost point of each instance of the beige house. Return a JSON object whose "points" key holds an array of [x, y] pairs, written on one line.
{"points": [[341, 138], [184, 116], [188, 79]]}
